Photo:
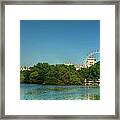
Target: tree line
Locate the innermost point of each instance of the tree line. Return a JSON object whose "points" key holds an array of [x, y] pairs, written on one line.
{"points": [[59, 74]]}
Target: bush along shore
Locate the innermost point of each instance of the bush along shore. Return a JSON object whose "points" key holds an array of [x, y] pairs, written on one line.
{"points": [[60, 74]]}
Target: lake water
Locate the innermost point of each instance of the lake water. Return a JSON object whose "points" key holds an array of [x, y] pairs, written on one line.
{"points": [[55, 92]]}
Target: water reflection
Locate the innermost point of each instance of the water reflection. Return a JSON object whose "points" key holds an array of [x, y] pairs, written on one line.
{"points": [[53, 92], [89, 95]]}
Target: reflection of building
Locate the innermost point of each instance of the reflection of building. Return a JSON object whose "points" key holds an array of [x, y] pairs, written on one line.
{"points": [[24, 68], [90, 61]]}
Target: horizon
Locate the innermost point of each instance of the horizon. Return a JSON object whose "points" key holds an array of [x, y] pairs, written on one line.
{"points": [[57, 41]]}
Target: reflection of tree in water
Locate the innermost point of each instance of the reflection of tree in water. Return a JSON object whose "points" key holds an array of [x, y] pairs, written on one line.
{"points": [[55, 92]]}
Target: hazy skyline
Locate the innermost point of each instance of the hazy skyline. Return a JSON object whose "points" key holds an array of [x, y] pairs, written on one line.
{"points": [[57, 41]]}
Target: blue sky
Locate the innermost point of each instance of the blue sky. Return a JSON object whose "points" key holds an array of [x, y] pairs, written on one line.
{"points": [[57, 41]]}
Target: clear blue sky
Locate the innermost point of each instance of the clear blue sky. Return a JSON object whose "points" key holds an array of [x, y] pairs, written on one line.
{"points": [[57, 41]]}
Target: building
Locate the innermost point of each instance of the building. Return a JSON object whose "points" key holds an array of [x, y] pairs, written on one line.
{"points": [[90, 61], [78, 66], [68, 63], [24, 68]]}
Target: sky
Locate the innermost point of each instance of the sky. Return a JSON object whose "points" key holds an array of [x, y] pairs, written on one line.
{"points": [[57, 41]]}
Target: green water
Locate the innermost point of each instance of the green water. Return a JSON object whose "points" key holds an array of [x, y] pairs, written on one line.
{"points": [[55, 92]]}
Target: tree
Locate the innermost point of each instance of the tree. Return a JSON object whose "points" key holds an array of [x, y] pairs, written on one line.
{"points": [[59, 74], [34, 77], [26, 74], [94, 72], [22, 78]]}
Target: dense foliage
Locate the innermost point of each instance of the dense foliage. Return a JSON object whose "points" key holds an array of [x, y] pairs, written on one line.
{"points": [[59, 74]]}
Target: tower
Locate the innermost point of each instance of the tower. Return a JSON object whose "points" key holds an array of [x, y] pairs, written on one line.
{"points": [[90, 61]]}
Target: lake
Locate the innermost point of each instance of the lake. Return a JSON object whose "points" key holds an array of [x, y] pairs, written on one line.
{"points": [[56, 92]]}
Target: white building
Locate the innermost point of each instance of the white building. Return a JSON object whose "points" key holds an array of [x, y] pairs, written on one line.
{"points": [[24, 68], [90, 61], [68, 63], [78, 66]]}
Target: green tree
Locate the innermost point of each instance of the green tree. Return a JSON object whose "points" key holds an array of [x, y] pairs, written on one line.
{"points": [[59, 74], [34, 77], [94, 72], [26, 74], [22, 77]]}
